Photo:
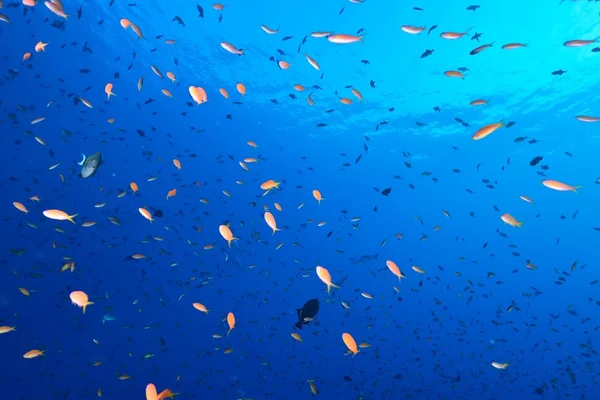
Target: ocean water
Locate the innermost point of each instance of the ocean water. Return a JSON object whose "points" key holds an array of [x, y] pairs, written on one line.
{"points": [[384, 129]]}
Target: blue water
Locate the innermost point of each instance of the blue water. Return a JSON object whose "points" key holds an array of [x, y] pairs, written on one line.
{"points": [[434, 335]]}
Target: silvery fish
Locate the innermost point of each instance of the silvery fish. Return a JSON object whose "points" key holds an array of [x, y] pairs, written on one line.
{"points": [[107, 318], [90, 164]]}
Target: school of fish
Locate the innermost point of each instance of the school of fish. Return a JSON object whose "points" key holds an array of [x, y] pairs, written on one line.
{"points": [[398, 258]]}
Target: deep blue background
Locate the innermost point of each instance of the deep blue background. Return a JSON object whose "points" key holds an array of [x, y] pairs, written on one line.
{"points": [[440, 326]]}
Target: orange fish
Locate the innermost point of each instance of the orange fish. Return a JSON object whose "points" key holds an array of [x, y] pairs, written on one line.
{"points": [[108, 90], [137, 31], [198, 94], [270, 184], [177, 164], [133, 186], [453, 35], [487, 130], [478, 102], [40, 46], [59, 215], [20, 207], [559, 186], [171, 193], [230, 322], [152, 394], [171, 76], [344, 39], [284, 64], [227, 234], [317, 195], [313, 62], [350, 343], [325, 277], [511, 46], [413, 30], [241, 88], [146, 214], [125, 23], [33, 353], [510, 220], [201, 307], [56, 8], [268, 30], [232, 49], [224, 93], [454, 74], [580, 43], [80, 299], [270, 220], [395, 270]]}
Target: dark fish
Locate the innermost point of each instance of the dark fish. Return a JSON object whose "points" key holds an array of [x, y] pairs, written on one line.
{"points": [[473, 8], [481, 48], [89, 165], [432, 28], [427, 53], [386, 192], [510, 123], [476, 36], [286, 38], [559, 72], [365, 62], [309, 310], [536, 160], [200, 11]]}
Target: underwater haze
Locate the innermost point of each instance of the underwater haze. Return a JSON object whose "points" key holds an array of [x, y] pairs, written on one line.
{"points": [[284, 200]]}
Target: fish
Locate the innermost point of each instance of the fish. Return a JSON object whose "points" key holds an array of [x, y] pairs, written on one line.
{"points": [[308, 310], [90, 164]]}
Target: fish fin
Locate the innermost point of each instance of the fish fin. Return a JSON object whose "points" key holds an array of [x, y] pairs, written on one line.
{"points": [[82, 161], [298, 311], [298, 325]]}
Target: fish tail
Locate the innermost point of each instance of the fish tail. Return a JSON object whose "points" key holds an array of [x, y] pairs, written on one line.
{"points": [[82, 161], [577, 187], [298, 325], [72, 216], [87, 304], [520, 224]]}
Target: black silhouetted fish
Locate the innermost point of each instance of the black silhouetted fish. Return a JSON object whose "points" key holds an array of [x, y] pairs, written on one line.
{"points": [[309, 310]]}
